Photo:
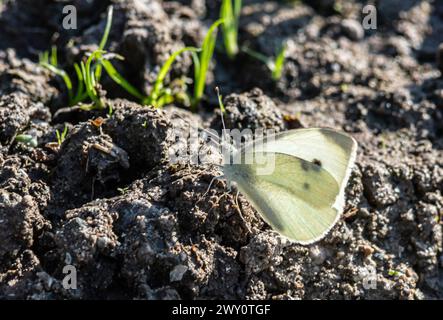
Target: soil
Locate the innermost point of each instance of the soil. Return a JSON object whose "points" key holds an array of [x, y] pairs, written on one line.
{"points": [[135, 225]]}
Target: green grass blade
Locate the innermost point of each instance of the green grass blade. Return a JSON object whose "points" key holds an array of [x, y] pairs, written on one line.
{"points": [[164, 99], [196, 60], [107, 28], [43, 57], [205, 58], [86, 79], [91, 80], [59, 138], [220, 102], [256, 55], [274, 65], [237, 9], [81, 94], [61, 73], [230, 16], [54, 61], [98, 70], [279, 63], [120, 80]]}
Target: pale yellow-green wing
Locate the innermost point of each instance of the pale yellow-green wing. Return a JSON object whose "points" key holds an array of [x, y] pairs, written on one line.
{"points": [[334, 151], [296, 199]]}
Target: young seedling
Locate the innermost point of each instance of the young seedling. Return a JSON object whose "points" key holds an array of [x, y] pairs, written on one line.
{"points": [[50, 63], [61, 136], [220, 101], [274, 64], [279, 63], [54, 60], [91, 84], [201, 62], [160, 95], [89, 72], [81, 94], [92, 69], [123, 190], [230, 14]]}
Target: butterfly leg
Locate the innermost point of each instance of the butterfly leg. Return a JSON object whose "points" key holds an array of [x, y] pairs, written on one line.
{"points": [[210, 184], [229, 184], [240, 212]]}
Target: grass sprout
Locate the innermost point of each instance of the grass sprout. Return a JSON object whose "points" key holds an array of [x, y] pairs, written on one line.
{"points": [[89, 71], [394, 273], [54, 61], [91, 83], [202, 61], [279, 63], [50, 62], [274, 64], [230, 13], [61, 136], [220, 100], [81, 93], [160, 95]]}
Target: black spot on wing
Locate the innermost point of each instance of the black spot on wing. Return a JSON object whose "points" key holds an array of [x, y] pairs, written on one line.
{"points": [[306, 186], [304, 165], [315, 165]]}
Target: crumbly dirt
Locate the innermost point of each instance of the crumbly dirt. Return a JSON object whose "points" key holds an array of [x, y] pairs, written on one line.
{"points": [[109, 201]]}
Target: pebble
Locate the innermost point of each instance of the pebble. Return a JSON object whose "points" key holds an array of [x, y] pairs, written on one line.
{"points": [[366, 249], [317, 255], [352, 29], [177, 273]]}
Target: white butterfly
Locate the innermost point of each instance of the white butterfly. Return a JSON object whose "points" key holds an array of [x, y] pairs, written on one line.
{"points": [[303, 197]]}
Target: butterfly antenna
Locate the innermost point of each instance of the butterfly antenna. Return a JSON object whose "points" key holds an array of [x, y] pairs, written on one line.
{"points": [[222, 107], [223, 111], [211, 183]]}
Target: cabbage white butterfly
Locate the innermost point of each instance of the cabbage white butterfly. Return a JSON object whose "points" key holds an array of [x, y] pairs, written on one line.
{"points": [[303, 197]]}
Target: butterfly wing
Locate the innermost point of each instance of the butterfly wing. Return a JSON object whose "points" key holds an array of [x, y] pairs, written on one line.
{"points": [[296, 199], [334, 151]]}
